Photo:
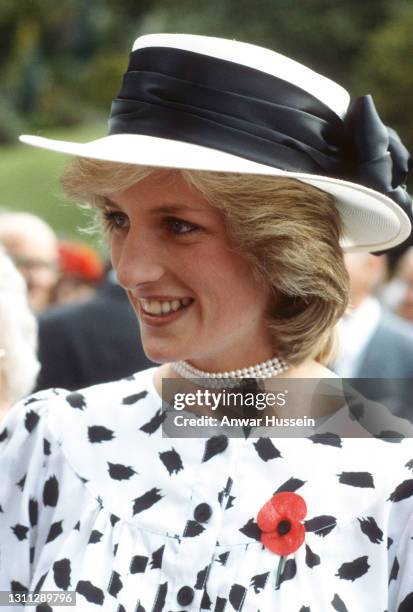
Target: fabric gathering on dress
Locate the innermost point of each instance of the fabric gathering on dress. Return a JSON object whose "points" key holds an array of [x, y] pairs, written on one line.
{"points": [[94, 499]]}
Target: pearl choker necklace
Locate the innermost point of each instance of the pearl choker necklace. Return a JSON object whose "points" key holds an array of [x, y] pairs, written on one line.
{"points": [[266, 369]]}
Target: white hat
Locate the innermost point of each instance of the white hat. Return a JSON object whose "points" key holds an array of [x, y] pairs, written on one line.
{"points": [[205, 103]]}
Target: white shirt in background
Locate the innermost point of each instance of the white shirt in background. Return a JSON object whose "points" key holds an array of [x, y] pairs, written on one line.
{"points": [[356, 330]]}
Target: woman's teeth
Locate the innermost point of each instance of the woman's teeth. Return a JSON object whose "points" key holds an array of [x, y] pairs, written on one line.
{"points": [[157, 307]]}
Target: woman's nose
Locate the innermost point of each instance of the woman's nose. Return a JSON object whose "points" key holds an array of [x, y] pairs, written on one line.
{"points": [[137, 260]]}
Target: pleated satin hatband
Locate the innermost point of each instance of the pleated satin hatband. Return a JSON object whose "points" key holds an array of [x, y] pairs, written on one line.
{"points": [[186, 96]]}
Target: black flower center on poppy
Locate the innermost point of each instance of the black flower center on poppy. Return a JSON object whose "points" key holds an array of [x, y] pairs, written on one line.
{"points": [[283, 527]]}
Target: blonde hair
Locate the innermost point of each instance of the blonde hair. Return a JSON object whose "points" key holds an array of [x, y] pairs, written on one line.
{"points": [[289, 232]]}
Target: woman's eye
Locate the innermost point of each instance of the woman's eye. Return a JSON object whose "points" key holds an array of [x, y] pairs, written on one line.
{"points": [[114, 220], [179, 226]]}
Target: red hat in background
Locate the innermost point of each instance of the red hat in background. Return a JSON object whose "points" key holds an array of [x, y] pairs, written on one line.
{"points": [[80, 261]]}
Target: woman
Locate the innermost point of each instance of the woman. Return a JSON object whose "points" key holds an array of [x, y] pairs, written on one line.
{"points": [[18, 338], [219, 192]]}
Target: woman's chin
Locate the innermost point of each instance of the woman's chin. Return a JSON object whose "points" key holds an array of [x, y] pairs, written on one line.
{"points": [[161, 355]]}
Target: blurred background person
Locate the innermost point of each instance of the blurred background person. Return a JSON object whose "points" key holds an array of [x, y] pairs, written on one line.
{"points": [[81, 272], [32, 245], [18, 338], [92, 342], [374, 342], [397, 294]]}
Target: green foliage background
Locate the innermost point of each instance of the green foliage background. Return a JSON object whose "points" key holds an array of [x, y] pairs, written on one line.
{"points": [[61, 64]]}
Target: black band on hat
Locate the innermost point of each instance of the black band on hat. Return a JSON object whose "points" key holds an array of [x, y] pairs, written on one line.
{"points": [[194, 98], [186, 96]]}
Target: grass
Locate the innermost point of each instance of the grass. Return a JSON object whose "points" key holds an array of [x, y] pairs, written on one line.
{"points": [[29, 180]]}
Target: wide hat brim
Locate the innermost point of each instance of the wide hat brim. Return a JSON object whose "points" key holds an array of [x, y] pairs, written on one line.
{"points": [[372, 221]]}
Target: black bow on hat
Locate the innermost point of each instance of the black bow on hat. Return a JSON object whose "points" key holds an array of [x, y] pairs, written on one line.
{"points": [[375, 155]]}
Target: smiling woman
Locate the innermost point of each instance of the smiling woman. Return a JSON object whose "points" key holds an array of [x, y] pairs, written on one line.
{"points": [[256, 220], [231, 182]]}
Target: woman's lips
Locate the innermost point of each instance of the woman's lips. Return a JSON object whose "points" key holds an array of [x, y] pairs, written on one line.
{"points": [[161, 307], [158, 312]]}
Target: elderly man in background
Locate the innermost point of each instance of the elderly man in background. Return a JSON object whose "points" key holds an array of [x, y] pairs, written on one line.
{"points": [[33, 247], [18, 338]]}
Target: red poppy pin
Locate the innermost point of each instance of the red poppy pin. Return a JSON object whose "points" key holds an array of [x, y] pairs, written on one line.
{"points": [[280, 521]]}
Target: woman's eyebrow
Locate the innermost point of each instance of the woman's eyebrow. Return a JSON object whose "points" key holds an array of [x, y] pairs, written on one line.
{"points": [[172, 208], [176, 208]]}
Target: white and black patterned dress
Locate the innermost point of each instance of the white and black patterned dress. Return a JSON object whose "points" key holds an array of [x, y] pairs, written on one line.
{"points": [[94, 499]]}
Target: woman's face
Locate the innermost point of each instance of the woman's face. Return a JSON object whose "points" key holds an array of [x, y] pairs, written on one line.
{"points": [[195, 298]]}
